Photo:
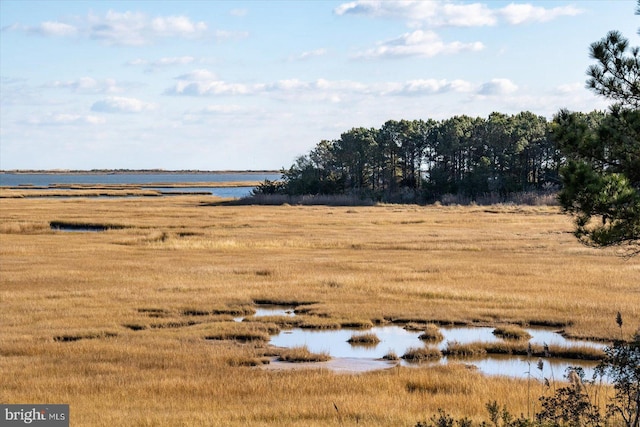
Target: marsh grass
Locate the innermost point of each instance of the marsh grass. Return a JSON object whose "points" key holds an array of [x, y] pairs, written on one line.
{"points": [[356, 324], [369, 339], [241, 336], [173, 324], [431, 333], [421, 354], [511, 332], [388, 264], [88, 226], [301, 355], [476, 349], [84, 336], [318, 323], [457, 349], [391, 355], [241, 331]]}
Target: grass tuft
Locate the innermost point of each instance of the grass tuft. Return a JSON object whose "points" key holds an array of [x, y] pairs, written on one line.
{"points": [[431, 333], [301, 355], [455, 348], [511, 332], [419, 354], [368, 339]]}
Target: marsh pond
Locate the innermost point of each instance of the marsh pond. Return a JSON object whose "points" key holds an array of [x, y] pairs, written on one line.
{"points": [[346, 356]]}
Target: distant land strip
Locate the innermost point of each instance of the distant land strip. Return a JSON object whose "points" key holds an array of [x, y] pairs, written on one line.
{"points": [[133, 171]]}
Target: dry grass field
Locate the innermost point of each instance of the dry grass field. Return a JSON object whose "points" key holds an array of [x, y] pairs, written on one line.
{"points": [[133, 326]]}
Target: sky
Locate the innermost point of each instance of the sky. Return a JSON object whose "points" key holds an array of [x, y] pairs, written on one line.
{"points": [[251, 85]]}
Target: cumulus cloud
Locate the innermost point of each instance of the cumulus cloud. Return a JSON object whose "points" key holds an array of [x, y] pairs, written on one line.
{"points": [[47, 29], [524, 13], [135, 28], [116, 104], [418, 43], [209, 88], [449, 14], [120, 28], [498, 87], [198, 75], [205, 83], [433, 86]]}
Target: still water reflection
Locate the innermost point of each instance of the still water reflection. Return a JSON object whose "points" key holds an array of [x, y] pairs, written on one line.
{"points": [[394, 339]]}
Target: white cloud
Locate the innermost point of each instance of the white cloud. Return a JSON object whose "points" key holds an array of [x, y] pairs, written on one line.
{"points": [[198, 75], [209, 88], [418, 43], [196, 83], [116, 104], [166, 62], [89, 85], [205, 83], [49, 28], [177, 26], [464, 15], [178, 60], [135, 28], [441, 13], [432, 86], [65, 119], [498, 87], [524, 13], [121, 28]]}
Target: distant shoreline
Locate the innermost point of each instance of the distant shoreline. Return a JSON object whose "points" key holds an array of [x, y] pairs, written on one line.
{"points": [[130, 171]]}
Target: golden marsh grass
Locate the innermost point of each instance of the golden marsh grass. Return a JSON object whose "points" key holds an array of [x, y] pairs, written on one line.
{"points": [[139, 303]]}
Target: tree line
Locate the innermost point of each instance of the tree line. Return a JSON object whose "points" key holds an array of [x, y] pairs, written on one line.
{"points": [[422, 160]]}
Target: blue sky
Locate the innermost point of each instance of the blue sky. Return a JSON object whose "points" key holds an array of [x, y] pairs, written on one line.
{"points": [[254, 84]]}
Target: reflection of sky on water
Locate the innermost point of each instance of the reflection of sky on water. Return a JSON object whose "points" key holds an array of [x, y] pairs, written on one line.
{"points": [[399, 340], [236, 192], [466, 335], [261, 312]]}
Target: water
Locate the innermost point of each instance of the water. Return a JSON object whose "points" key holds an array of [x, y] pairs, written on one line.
{"points": [[398, 340], [465, 335], [275, 311], [43, 179], [225, 192], [147, 180]]}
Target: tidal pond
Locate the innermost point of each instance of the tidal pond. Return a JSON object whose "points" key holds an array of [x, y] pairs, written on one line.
{"points": [[397, 340]]}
